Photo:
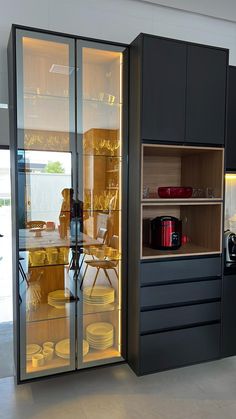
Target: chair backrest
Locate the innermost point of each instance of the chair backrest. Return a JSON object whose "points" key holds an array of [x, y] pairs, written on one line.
{"points": [[35, 224], [101, 235], [114, 242]]}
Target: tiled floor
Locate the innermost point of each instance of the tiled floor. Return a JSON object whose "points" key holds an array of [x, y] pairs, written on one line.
{"points": [[203, 391]]}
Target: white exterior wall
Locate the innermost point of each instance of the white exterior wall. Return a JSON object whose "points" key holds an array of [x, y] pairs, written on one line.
{"points": [[115, 20]]}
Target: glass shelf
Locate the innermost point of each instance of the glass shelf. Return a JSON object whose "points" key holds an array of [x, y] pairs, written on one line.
{"points": [[95, 355], [46, 313], [34, 96]]}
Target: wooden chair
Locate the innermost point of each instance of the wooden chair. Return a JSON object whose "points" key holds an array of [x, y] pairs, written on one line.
{"points": [[101, 238], [104, 264]]}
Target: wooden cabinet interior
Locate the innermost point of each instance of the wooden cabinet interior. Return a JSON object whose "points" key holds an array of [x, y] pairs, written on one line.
{"points": [[182, 166], [201, 222], [114, 351], [201, 168]]}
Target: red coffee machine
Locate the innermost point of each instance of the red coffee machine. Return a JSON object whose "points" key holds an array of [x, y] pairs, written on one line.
{"points": [[166, 233]]}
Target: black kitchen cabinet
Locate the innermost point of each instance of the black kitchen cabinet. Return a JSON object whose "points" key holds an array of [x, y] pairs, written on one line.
{"points": [[180, 89], [229, 316], [161, 351], [231, 121], [174, 298], [206, 94], [164, 81]]}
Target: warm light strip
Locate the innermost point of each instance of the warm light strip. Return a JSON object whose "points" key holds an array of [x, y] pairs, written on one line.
{"points": [[120, 201], [229, 176]]}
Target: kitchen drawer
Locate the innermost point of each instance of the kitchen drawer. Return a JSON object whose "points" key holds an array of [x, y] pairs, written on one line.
{"points": [[166, 350], [179, 316], [186, 292], [164, 271]]}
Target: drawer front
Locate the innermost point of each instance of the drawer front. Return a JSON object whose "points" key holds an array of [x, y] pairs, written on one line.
{"points": [[159, 295], [168, 350], [163, 271], [179, 316]]}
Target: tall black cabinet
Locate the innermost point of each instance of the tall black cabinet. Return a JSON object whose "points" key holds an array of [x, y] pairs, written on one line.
{"points": [[177, 135]]}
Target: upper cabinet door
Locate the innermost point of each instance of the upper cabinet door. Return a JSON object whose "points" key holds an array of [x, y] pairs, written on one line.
{"points": [[206, 95], [163, 90], [231, 121]]}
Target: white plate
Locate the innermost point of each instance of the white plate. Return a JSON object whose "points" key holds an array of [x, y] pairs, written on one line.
{"points": [[100, 329], [62, 355], [59, 295], [101, 347], [63, 347], [98, 292], [32, 349]]}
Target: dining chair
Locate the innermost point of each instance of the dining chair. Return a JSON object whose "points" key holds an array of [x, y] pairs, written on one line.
{"points": [[104, 264], [100, 237]]}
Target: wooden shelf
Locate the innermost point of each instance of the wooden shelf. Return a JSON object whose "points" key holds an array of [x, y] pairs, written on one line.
{"points": [[56, 362], [189, 249], [196, 167], [183, 200], [201, 223]]}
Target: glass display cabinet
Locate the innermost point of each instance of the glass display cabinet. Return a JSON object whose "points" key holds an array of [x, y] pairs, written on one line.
{"points": [[68, 150]]}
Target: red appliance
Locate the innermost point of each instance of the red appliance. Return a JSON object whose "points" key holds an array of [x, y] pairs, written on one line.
{"points": [[166, 233]]}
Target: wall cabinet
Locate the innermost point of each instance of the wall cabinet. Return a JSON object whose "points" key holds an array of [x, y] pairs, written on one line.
{"points": [[231, 121], [69, 171], [206, 94], [163, 89], [182, 90]]}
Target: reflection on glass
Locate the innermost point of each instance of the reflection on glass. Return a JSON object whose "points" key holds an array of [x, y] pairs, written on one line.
{"points": [[45, 118], [46, 94], [230, 202], [100, 262]]}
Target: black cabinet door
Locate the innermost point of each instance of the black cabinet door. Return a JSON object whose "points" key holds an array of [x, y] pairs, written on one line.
{"points": [[206, 88], [163, 89], [230, 149], [229, 316], [166, 350]]}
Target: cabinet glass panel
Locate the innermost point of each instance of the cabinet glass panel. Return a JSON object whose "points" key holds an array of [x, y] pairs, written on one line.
{"points": [[99, 186], [45, 134]]}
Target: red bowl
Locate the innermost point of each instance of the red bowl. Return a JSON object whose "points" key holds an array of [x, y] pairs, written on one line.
{"points": [[175, 192]]}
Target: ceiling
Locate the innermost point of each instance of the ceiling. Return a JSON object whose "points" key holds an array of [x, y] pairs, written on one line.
{"points": [[216, 8]]}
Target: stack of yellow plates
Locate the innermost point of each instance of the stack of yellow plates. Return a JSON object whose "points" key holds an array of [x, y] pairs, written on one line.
{"points": [[100, 335], [32, 349], [85, 347], [62, 348], [58, 298], [99, 295]]}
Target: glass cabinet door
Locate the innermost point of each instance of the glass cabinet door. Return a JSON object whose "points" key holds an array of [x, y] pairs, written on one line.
{"points": [[46, 149], [99, 142]]}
